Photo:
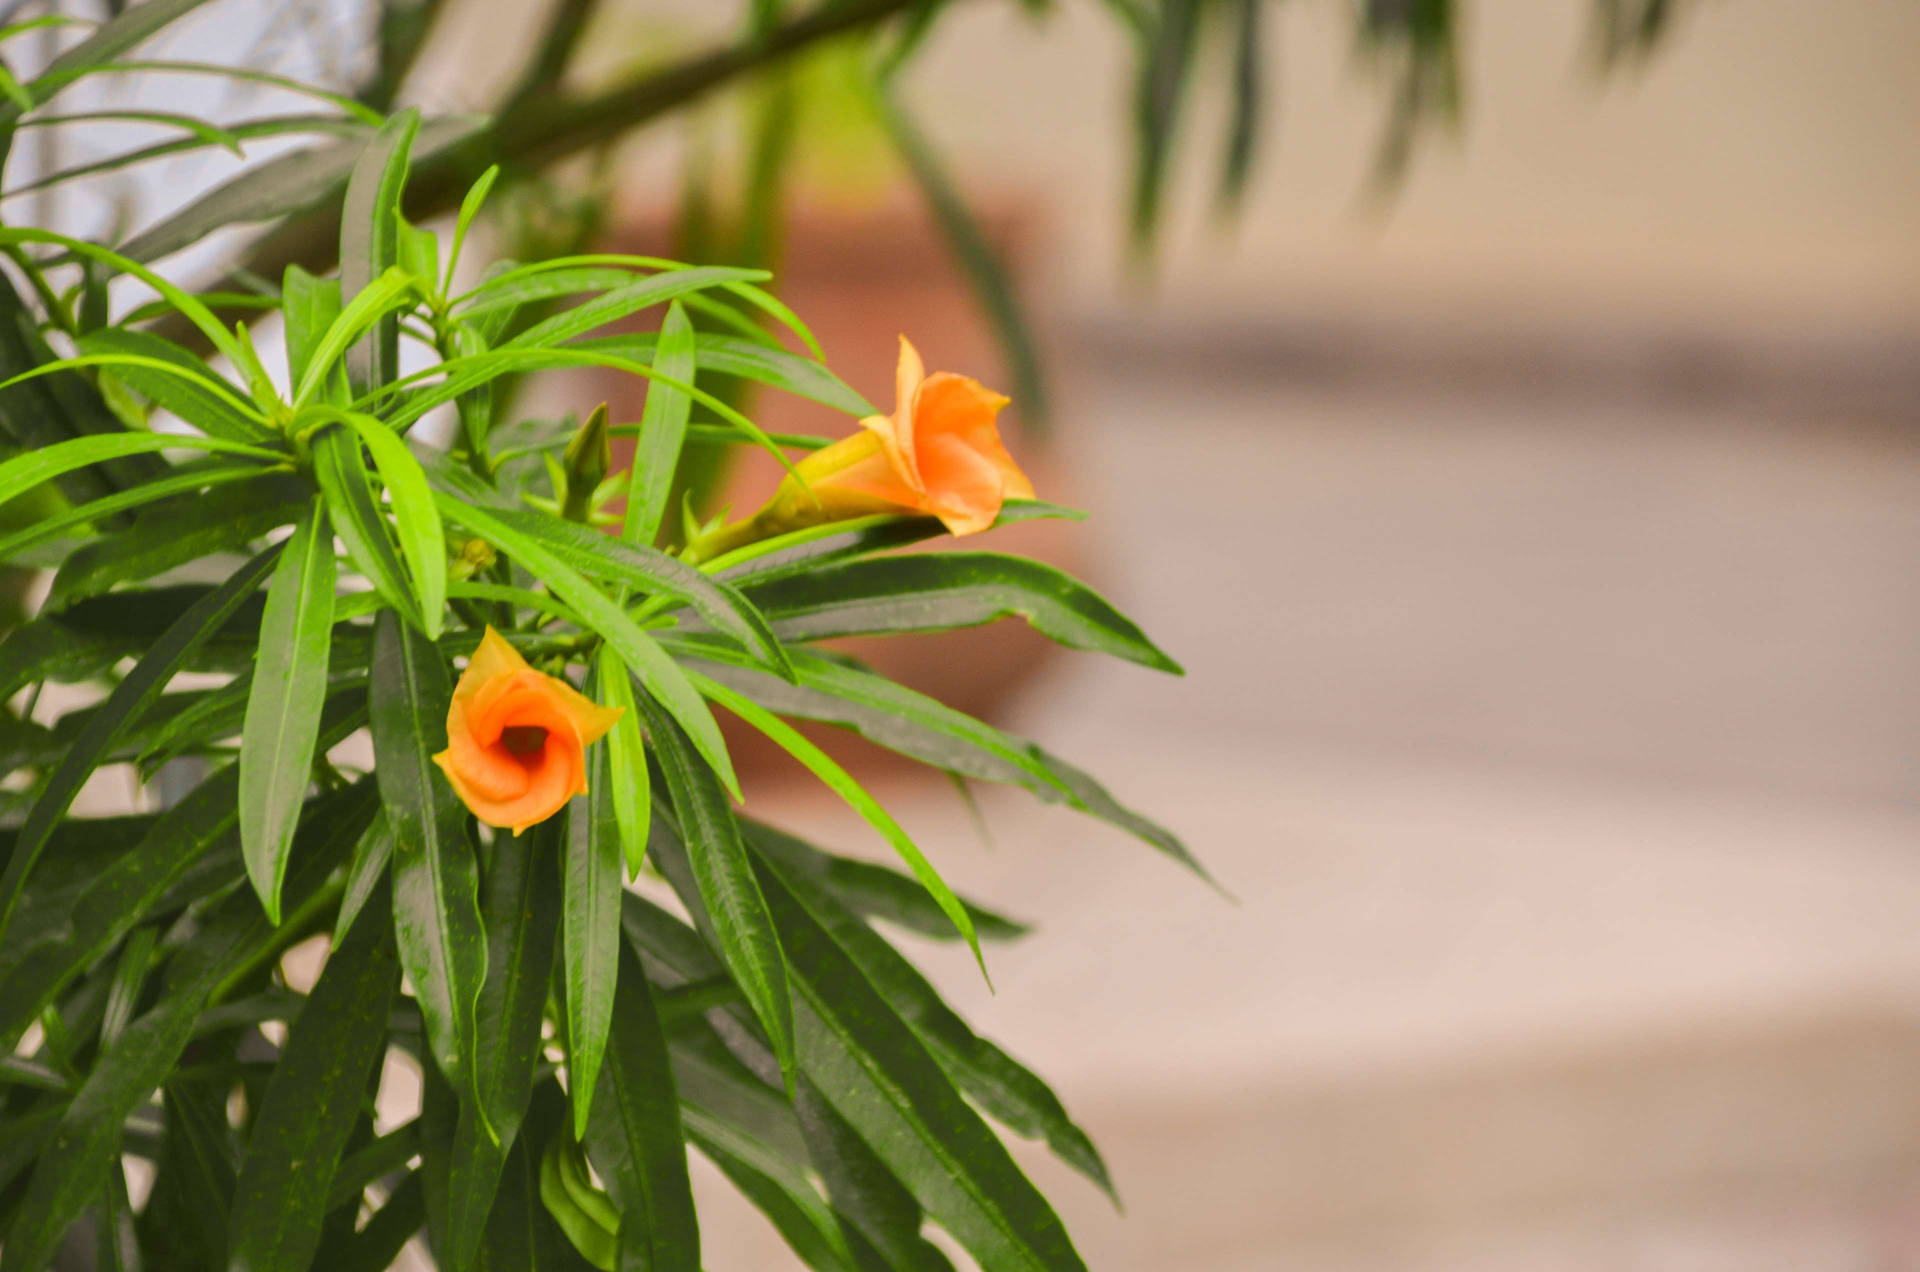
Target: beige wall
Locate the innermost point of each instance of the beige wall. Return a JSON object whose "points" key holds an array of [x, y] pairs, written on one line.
{"points": [[1765, 162]]}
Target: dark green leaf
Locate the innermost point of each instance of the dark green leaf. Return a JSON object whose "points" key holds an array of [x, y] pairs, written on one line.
{"points": [[626, 759], [994, 1080], [422, 539], [283, 709], [197, 1171], [91, 636], [313, 1101], [935, 591], [789, 1202], [1248, 96], [1166, 68], [742, 928], [199, 397], [130, 697], [310, 305], [915, 725], [370, 242], [87, 1143], [876, 1074], [808, 549], [23, 472], [128, 28], [590, 931], [657, 673], [378, 1244], [520, 910], [619, 303], [341, 474], [750, 360], [172, 534], [364, 875], [521, 1236], [436, 913], [129, 978], [103, 512], [634, 1136], [877, 1213], [663, 429], [880, 893], [639, 565]]}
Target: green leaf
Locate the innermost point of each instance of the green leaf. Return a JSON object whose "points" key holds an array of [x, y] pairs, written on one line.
{"points": [[880, 893], [87, 1143], [992, 1079], [621, 302], [789, 1202], [370, 242], [521, 1235], [313, 1101], [364, 874], [520, 911], [378, 1244], [877, 1075], [634, 1137], [1165, 71], [658, 674], [242, 130], [371, 307], [742, 929], [496, 296], [422, 537], [915, 725], [436, 912], [311, 307], [1247, 98], [732, 355], [167, 535], [197, 1172], [938, 591], [88, 638], [283, 184], [129, 978], [186, 480], [581, 1211], [23, 472], [663, 428], [804, 550], [879, 1215], [420, 253], [283, 709], [590, 931], [194, 394], [469, 209], [130, 697], [639, 565], [626, 759], [842, 784], [341, 474], [128, 28]]}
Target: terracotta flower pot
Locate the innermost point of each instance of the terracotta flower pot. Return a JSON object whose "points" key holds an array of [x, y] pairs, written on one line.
{"points": [[860, 280]]}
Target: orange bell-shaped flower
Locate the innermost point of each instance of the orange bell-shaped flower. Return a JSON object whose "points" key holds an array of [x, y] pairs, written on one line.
{"points": [[517, 738], [938, 453]]}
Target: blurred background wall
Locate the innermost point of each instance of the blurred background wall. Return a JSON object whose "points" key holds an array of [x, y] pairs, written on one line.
{"points": [[1543, 542]]}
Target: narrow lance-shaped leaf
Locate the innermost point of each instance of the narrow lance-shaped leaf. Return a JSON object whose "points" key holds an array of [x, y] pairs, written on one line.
{"points": [[311, 1105], [663, 427], [421, 537], [129, 698], [878, 1076], [195, 394], [283, 709], [996, 1081], [435, 909], [936, 591], [842, 784], [634, 1139], [23, 472], [658, 674], [627, 759], [590, 930], [342, 477], [520, 909], [742, 927], [370, 242]]}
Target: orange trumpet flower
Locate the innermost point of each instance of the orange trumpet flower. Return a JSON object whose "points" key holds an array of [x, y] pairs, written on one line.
{"points": [[516, 738], [939, 453]]}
